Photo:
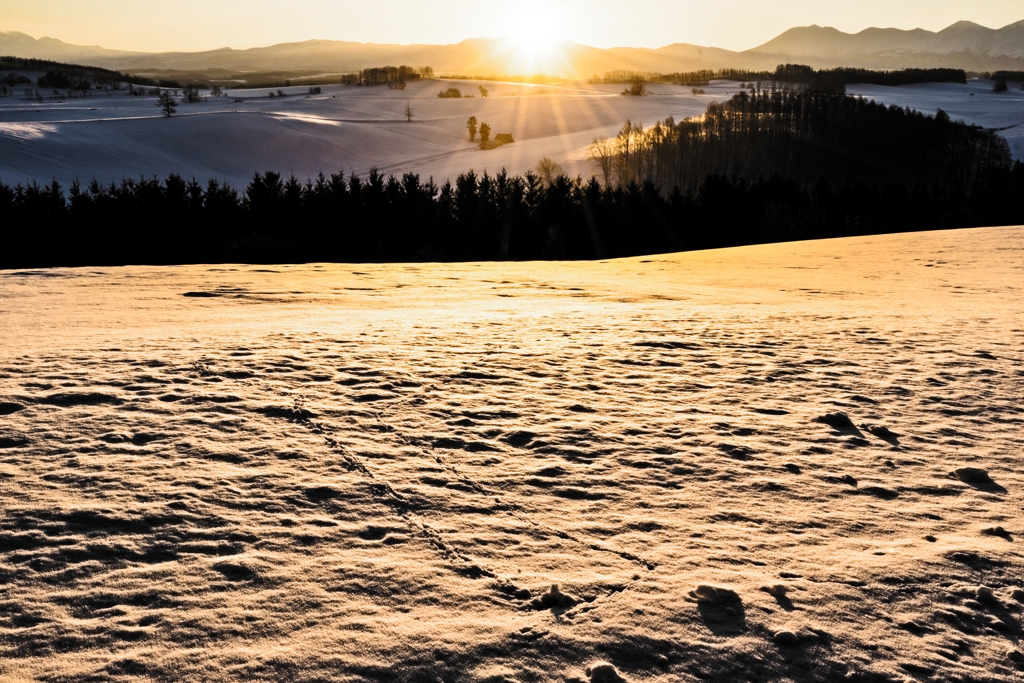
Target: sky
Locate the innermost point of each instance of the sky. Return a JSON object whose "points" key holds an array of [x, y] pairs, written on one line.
{"points": [[148, 26]]}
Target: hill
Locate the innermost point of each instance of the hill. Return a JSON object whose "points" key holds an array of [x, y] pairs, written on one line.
{"points": [[963, 45], [324, 472]]}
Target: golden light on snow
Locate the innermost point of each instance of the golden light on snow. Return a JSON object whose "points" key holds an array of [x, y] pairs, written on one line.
{"points": [[681, 464]]}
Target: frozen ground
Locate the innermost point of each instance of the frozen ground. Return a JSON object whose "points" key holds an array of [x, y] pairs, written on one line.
{"points": [[354, 128], [327, 472]]}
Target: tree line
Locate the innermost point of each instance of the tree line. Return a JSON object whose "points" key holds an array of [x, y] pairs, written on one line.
{"points": [[376, 219], [763, 167], [1013, 76], [1002, 79], [804, 135], [834, 80], [388, 75], [65, 76], [62, 73]]}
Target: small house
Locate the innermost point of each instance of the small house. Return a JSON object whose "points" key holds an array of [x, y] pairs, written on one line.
{"points": [[503, 139]]}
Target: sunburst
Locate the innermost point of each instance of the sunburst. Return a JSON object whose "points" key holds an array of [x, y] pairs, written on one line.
{"points": [[534, 33]]}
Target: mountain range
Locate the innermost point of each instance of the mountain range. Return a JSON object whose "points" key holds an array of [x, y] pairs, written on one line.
{"points": [[963, 45]]}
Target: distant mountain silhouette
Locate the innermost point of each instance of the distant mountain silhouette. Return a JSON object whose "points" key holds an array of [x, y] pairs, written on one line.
{"points": [[964, 45], [15, 44]]}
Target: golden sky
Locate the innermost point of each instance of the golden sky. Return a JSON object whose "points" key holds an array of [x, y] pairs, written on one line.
{"points": [[735, 24]]}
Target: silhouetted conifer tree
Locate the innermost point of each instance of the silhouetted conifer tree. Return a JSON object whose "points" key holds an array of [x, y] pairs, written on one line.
{"points": [[168, 105]]}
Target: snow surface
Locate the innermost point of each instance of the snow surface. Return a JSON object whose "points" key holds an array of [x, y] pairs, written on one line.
{"points": [[355, 128], [377, 472]]}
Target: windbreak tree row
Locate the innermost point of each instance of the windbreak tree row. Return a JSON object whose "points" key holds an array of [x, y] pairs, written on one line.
{"points": [[349, 219], [834, 80]]}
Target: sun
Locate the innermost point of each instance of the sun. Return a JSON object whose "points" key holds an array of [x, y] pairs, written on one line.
{"points": [[534, 33]]}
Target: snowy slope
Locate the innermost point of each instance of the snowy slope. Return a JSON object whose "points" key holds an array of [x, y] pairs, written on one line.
{"points": [[376, 473], [355, 128]]}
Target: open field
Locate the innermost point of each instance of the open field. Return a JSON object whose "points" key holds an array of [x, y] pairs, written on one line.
{"points": [[327, 472], [345, 128], [355, 128]]}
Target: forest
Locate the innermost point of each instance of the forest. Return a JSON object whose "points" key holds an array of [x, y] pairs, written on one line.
{"points": [[804, 135], [764, 167], [61, 75], [69, 72]]}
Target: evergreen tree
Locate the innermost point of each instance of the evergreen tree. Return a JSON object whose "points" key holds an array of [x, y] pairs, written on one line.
{"points": [[485, 133], [167, 104], [471, 127], [408, 111]]}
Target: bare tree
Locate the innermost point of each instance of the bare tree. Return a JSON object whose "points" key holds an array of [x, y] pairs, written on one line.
{"points": [[548, 170], [602, 153], [471, 127]]}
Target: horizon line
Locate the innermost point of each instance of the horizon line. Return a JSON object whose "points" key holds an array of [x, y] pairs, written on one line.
{"points": [[498, 37]]}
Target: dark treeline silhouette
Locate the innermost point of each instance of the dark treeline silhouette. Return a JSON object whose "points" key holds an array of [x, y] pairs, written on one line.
{"points": [[12, 79], [350, 219], [1012, 76], [836, 79], [764, 167], [58, 73], [70, 72], [388, 75], [833, 80], [52, 79], [805, 135], [379, 75], [64, 76]]}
